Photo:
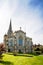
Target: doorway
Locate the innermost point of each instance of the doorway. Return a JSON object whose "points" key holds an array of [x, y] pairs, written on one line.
{"points": [[8, 50], [20, 51]]}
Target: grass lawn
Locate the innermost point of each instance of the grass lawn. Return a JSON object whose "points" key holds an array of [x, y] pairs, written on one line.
{"points": [[22, 59]]}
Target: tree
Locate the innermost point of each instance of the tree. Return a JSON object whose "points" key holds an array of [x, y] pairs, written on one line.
{"points": [[2, 49]]}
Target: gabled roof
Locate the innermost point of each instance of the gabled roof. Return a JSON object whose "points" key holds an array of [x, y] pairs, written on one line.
{"points": [[20, 31]]}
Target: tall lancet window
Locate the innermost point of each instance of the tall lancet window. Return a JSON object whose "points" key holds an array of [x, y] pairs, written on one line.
{"points": [[20, 41]]}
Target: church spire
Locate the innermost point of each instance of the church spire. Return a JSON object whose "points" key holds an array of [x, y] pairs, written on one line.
{"points": [[10, 28]]}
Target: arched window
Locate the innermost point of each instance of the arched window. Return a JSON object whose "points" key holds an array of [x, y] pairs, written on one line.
{"points": [[10, 42], [20, 41]]}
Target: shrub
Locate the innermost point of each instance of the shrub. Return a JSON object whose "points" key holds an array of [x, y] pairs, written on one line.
{"points": [[15, 53], [42, 50], [37, 51]]}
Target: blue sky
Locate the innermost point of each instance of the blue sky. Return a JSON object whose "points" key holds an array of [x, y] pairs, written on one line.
{"points": [[27, 14], [37, 4]]}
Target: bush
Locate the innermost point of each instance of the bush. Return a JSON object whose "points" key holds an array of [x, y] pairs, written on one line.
{"points": [[42, 50], [15, 53], [38, 52]]}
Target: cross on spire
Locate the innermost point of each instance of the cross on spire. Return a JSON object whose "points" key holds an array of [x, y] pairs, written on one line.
{"points": [[20, 28]]}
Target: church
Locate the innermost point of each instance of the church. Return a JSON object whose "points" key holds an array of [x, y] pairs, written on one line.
{"points": [[17, 41]]}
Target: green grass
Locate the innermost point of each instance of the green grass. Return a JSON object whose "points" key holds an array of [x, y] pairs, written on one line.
{"points": [[22, 59]]}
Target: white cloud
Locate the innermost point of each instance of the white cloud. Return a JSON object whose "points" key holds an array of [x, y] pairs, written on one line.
{"points": [[23, 16]]}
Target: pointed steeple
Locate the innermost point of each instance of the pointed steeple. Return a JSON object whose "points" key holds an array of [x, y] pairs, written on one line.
{"points": [[10, 28]]}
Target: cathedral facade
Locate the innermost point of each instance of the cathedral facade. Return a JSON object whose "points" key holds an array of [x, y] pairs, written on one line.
{"points": [[17, 41]]}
